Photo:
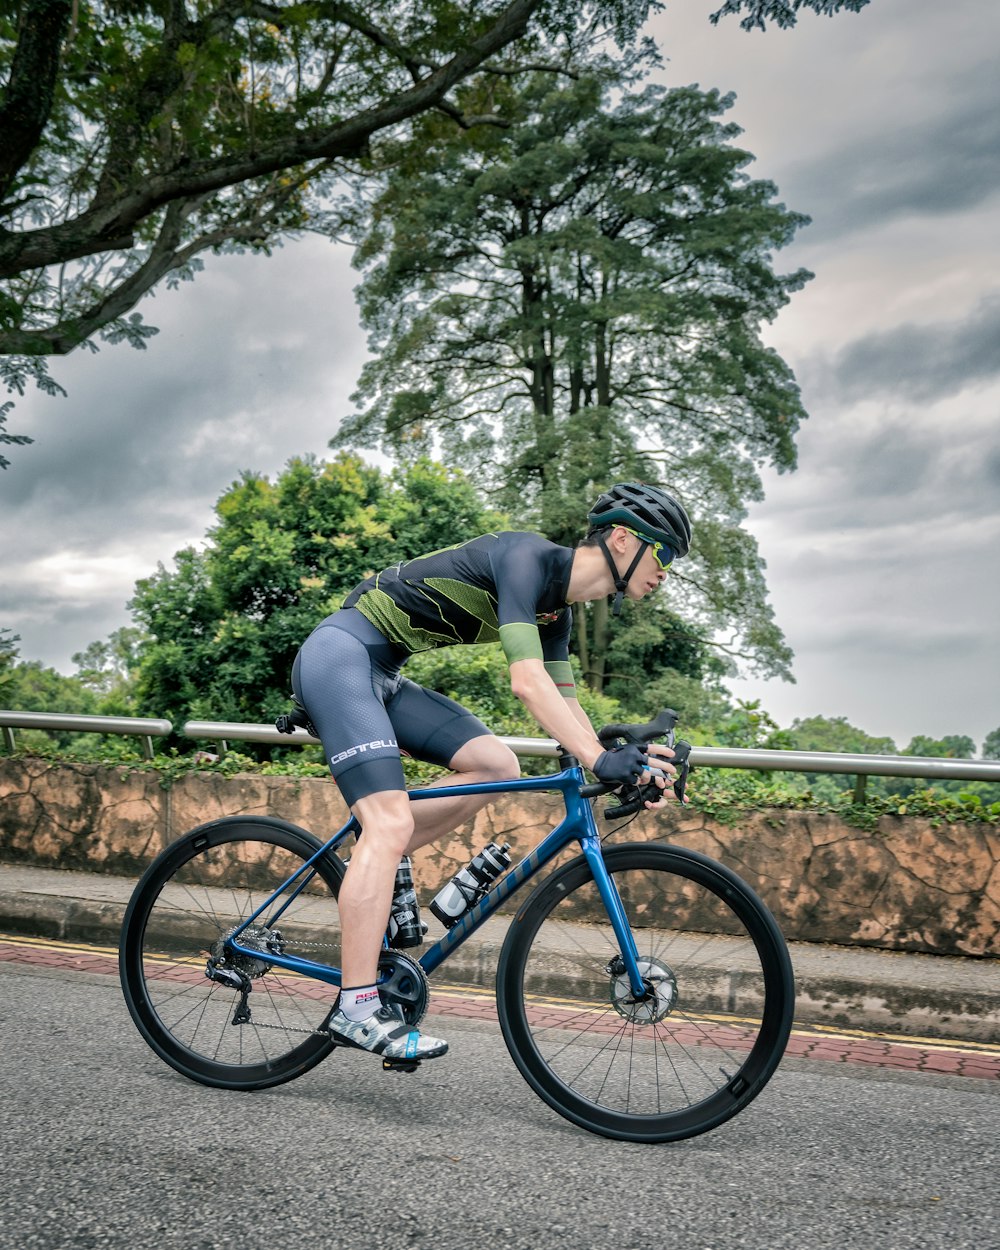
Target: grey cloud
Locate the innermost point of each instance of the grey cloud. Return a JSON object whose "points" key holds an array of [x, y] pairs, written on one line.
{"points": [[943, 160], [181, 419], [252, 366], [921, 363]]}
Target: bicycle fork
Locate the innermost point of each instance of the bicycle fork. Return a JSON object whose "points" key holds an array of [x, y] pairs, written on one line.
{"points": [[616, 914]]}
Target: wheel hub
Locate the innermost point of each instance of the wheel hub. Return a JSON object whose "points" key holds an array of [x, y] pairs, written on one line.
{"points": [[659, 999]]}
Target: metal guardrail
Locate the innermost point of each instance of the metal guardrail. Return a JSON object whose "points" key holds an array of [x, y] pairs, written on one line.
{"points": [[147, 730], [860, 766], [223, 732]]}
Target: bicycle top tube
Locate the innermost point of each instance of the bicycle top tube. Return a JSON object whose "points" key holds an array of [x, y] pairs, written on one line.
{"points": [[578, 825]]}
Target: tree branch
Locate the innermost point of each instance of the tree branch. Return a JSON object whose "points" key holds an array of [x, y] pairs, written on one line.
{"points": [[165, 256], [27, 102], [109, 224]]}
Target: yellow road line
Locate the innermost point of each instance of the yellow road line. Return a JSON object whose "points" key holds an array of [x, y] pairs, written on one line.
{"points": [[17, 939], [474, 992]]}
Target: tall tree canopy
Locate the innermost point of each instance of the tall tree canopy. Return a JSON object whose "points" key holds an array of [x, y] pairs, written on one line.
{"points": [[578, 299], [220, 629], [137, 134]]}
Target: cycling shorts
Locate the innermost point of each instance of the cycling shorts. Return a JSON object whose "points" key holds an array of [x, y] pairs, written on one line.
{"points": [[347, 677]]}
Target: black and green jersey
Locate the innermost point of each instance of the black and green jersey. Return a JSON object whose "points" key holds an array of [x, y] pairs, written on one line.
{"points": [[508, 588]]}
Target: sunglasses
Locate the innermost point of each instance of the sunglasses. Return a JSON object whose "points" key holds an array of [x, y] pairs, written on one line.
{"points": [[662, 554]]}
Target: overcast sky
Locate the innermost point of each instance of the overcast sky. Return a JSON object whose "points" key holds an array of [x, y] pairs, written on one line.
{"points": [[882, 548]]}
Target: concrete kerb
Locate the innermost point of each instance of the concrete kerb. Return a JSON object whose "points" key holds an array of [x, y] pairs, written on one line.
{"points": [[854, 988]]}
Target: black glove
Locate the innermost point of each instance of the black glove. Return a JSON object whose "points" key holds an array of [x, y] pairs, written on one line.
{"points": [[621, 766]]}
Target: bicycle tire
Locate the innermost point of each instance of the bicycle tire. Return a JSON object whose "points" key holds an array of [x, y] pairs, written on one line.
{"points": [[194, 893], [721, 995]]}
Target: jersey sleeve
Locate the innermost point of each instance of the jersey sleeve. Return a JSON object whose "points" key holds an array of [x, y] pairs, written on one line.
{"points": [[520, 574]]}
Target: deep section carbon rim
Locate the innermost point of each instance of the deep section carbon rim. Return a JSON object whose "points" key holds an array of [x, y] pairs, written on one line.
{"points": [[191, 898], [703, 1039]]}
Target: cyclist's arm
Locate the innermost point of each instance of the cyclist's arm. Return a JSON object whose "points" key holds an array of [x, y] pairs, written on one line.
{"points": [[557, 715]]}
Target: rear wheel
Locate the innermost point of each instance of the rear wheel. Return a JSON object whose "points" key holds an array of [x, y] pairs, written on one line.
{"points": [[194, 896], [701, 1042]]}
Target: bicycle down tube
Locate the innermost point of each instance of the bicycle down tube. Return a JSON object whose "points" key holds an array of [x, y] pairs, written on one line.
{"points": [[578, 825]]}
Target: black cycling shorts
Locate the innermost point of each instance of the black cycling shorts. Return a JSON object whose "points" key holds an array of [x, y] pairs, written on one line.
{"points": [[347, 677]]}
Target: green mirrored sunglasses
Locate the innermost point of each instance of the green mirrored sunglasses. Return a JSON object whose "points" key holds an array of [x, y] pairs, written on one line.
{"points": [[661, 552]]}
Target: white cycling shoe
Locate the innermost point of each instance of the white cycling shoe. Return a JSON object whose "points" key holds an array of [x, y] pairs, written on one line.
{"points": [[386, 1033]]}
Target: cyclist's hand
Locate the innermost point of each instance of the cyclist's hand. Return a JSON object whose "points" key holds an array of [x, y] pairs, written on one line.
{"points": [[621, 766]]}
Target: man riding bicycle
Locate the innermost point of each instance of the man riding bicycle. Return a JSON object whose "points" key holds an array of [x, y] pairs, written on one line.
{"points": [[515, 588]]}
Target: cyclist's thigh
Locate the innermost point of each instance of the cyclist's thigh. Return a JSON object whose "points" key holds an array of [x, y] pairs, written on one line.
{"points": [[429, 725], [339, 684]]}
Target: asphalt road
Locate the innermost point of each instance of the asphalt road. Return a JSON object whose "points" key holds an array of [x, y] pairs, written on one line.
{"points": [[105, 1147]]}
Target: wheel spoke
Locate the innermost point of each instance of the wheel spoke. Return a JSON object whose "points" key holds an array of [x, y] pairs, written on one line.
{"points": [[709, 1030], [196, 894]]}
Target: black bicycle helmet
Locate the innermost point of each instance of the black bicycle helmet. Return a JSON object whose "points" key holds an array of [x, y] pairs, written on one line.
{"points": [[651, 511]]}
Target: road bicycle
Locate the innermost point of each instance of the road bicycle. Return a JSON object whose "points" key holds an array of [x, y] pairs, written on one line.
{"points": [[643, 990]]}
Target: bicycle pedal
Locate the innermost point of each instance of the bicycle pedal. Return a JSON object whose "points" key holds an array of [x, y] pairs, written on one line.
{"points": [[400, 1065]]}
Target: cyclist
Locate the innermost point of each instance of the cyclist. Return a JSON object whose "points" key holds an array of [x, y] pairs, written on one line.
{"points": [[515, 588]]}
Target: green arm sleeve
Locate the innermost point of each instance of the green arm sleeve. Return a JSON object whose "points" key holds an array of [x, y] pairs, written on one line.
{"points": [[520, 641], [561, 672]]}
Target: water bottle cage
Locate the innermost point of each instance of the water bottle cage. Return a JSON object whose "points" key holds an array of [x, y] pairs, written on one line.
{"points": [[472, 895]]}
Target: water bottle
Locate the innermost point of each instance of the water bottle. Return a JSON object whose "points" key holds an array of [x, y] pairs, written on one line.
{"points": [[405, 928], [467, 887]]}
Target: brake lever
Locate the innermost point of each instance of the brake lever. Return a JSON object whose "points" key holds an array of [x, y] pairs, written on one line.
{"points": [[682, 752], [651, 792]]}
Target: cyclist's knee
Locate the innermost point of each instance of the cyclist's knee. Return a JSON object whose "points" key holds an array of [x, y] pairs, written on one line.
{"points": [[488, 757], [388, 816]]}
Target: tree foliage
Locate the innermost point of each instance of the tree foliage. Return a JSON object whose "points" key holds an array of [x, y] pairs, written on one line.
{"points": [[577, 300], [139, 134], [8, 438], [220, 629]]}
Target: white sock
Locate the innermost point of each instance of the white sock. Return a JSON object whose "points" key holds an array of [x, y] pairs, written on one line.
{"points": [[360, 1002]]}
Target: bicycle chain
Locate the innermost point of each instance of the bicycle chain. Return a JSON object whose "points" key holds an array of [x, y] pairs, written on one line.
{"points": [[287, 1028], [283, 1028]]}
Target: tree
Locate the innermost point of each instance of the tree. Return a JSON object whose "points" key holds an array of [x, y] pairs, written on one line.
{"points": [[950, 747], [138, 134], [9, 439], [577, 300], [108, 669], [220, 630], [991, 745], [8, 653], [835, 733]]}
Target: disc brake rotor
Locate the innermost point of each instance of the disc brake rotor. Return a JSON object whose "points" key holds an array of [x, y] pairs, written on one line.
{"points": [[659, 1000]]}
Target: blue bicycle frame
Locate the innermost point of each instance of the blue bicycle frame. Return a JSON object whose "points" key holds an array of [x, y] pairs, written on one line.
{"points": [[578, 825]]}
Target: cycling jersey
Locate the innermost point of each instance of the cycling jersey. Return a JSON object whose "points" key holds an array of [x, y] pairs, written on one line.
{"points": [[508, 588]]}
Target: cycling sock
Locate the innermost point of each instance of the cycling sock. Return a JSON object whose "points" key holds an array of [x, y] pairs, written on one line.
{"points": [[359, 1002]]}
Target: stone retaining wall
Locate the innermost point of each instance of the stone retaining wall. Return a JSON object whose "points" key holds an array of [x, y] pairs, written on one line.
{"points": [[909, 886]]}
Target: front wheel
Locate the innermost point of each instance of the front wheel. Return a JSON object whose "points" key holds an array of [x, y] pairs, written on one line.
{"points": [[191, 899], [705, 1037]]}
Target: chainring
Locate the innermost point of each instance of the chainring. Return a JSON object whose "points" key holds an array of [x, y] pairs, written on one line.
{"points": [[404, 985]]}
